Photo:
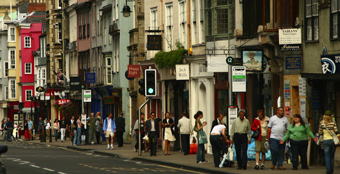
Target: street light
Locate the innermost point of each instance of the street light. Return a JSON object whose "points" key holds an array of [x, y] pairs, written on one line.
{"points": [[126, 10]]}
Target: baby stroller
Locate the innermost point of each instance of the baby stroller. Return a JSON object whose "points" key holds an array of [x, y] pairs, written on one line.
{"points": [[228, 158]]}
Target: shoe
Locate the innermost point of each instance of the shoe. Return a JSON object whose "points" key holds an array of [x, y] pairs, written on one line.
{"points": [[244, 168], [256, 167], [262, 167], [305, 168], [143, 151], [295, 168], [281, 168], [199, 162], [205, 162], [239, 168], [135, 150], [154, 155], [92, 142], [151, 154], [108, 148], [272, 167]]}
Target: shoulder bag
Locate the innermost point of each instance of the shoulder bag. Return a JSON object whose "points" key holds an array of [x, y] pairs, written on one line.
{"points": [[202, 137], [335, 138], [256, 134]]}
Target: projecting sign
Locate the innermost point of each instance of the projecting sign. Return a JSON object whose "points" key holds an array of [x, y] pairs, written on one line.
{"points": [[239, 79], [290, 39], [330, 63], [133, 71], [182, 72], [90, 78]]}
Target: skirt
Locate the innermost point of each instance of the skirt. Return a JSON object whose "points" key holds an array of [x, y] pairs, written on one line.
{"points": [[168, 134]]}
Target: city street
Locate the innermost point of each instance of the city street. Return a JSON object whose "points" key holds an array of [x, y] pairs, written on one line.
{"points": [[24, 157]]}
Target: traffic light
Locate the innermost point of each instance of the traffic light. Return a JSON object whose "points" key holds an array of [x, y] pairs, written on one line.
{"points": [[141, 87], [150, 83]]}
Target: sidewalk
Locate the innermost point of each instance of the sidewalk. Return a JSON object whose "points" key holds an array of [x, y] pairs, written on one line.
{"points": [[177, 159]]}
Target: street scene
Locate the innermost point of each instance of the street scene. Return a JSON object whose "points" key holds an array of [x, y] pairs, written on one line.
{"points": [[169, 86]]}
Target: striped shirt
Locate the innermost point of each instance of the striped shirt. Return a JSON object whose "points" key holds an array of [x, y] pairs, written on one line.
{"points": [[331, 127]]}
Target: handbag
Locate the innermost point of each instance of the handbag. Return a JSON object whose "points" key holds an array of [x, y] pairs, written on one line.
{"points": [[335, 138], [202, 137], [256, 134]]}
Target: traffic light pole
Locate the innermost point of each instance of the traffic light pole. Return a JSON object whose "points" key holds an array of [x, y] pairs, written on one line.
{"points": [[139, 132]]}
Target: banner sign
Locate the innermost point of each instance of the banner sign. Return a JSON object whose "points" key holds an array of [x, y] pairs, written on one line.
{"points": [[154, 42], [330, 64], [90, 78]]}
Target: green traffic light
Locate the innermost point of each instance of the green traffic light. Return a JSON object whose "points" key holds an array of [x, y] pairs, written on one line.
{"points": [[150, 90]]}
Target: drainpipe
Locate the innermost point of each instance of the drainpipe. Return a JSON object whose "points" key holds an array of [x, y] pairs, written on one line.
{"points": [[189, 24]]}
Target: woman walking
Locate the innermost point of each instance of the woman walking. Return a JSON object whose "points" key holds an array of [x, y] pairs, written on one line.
{"points": [[79, 125], [216, 135], [298, 133], [261, 123], [168, 133], [200, 147], [56, 128], [328, 127]]}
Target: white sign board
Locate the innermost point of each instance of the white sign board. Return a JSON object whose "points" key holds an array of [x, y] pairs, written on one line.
{"points": [[303, 109], [217, 64], [83, 119], [87, 96], [232, 115], [239, 79], [182, 72], [290, 36], [302, 86]]}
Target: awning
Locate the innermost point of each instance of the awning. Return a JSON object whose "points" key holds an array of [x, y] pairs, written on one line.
{"points": [[318, 76]]}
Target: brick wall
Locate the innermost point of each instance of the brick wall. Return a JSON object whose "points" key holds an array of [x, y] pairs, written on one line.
{"points": [[36, 7]]}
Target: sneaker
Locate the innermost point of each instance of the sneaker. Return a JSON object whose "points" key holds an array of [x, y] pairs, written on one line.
{"points": [[281, 168], [92, 142], [205, 162], [143, 151], [199, 162], [135, 150], [262, 167], [272, 167], [111, 147], [256, 167], [108, 147]]}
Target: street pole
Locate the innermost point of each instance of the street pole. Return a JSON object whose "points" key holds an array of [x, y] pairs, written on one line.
{"points": [[139, 133], [230, 93]]}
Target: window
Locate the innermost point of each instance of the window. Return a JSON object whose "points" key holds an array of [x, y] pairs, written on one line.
{"points": [[28, 95], [58, 4], [194, 24], [12, 83], [6, 69], [80, 26], [43, 73], [84, 24], [59, 33], [182, 22], [105, 31], [27, 42], [6, 92], [12, 58], [335, 13], [153, 19], [28, 68], [201, 26], [88, 24], [169, 26], [39, 74], [108, 70], [12, 34]]}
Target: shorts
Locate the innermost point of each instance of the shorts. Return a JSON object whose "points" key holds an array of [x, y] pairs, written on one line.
{"points": [[108, 134], [259, 145]]}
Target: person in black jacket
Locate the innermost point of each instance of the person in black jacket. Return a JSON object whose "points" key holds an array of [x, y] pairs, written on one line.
{"points": [[217, 121], [168, 132], [152, 130], [120, 129]]}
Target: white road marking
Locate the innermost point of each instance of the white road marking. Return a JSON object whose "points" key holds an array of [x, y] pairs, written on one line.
{"points": [[35, 166], [61, 173], [51, 170], [180, 169]]}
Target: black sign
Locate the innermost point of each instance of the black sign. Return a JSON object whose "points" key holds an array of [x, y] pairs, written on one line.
{"points": [[290, 47], [75, 84], [40, 89], [154, 42], [330, 64]]}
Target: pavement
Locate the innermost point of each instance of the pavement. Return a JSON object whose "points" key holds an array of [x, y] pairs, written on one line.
{"points": [[178, 159]]}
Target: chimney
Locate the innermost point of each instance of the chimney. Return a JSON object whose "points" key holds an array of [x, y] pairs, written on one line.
{"points": [[35, 6], [6, 16]]}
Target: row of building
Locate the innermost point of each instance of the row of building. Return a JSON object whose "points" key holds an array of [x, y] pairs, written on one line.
{"points": [[289, 48]]}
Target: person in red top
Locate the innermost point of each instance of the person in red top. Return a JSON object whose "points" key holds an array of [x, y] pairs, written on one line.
{"points": [[260, 122], [193, 147]]}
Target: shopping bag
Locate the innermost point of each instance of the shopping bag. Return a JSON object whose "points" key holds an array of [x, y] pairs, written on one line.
{"points": [[202, 137], [230, 155]]}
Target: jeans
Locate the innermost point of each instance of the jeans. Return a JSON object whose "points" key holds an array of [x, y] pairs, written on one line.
{"points": [[74, 137], [241, 147], [98, 137], [200, 152], [137, 142], [329, 149], [217, 146], [9, 133], [78, 135], [56, 134], [299, 148], [63, 132], [277, 151]]}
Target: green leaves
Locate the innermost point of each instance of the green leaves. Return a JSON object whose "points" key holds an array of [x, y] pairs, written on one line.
{"points": [[170, 59]]}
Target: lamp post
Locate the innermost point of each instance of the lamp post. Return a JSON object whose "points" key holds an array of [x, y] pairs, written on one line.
{"points": [[126, 10]]}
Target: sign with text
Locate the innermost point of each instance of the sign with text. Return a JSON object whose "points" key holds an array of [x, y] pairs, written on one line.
{"points": [[182, 72], [75, 84], [239, 79], [87, 95], [63, 101], [133, 71], [293, 63], [290, 36], [154, 42], [232, 115], [330, 64], [90, 78]]}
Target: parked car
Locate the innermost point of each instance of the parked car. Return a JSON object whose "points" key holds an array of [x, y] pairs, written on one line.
{"points": [[3, 149]]}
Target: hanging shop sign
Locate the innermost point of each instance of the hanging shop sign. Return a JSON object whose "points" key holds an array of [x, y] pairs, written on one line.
{"points": [[330, 64], [75, 84], [252, 59], [290, 39], [133, 71], [154, 42], [182, 72]]}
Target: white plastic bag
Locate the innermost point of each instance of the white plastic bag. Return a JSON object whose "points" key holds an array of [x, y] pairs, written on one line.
{"points": [[230, 153]]}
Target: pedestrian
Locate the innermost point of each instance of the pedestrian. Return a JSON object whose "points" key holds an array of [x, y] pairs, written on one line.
{"points": [[277, 127], [142, 132], [30, 127], [326, 128], [92, 129], [5, 131], [217, 121], [73, 130], [218, 146], [200, 147], [48, 129], [152, 130], [120, 123], [297, 134], [79, 126], [63, 126], [15, 134], [56, 128], [27, 134], [184, 126], [240, 134], [109, 129], [168, 132], [9, 126], [261, 123], [98, 129]]}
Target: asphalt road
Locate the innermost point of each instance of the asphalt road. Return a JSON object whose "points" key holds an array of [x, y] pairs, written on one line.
{"points": [[27, 158]]}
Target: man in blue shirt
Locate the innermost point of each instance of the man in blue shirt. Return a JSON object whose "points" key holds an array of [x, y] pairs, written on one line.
{"points": [[30, 127]]}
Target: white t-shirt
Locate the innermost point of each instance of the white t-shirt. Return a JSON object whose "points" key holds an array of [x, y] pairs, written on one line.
{"points": [[109, 125], [218, 129], [278, 127]]}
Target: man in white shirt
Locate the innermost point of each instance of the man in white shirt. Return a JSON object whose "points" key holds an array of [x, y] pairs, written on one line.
{"points": [[277, 127], [185, 128]]}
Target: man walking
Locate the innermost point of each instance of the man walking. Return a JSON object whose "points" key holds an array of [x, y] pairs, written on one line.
{"points": [[92, 129], [63, 126], [185, 128], [152, 130], [109, 129], [9, 127], [30, 127], [277, 127], [120, 123], [241, 135], [41, 127]]}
